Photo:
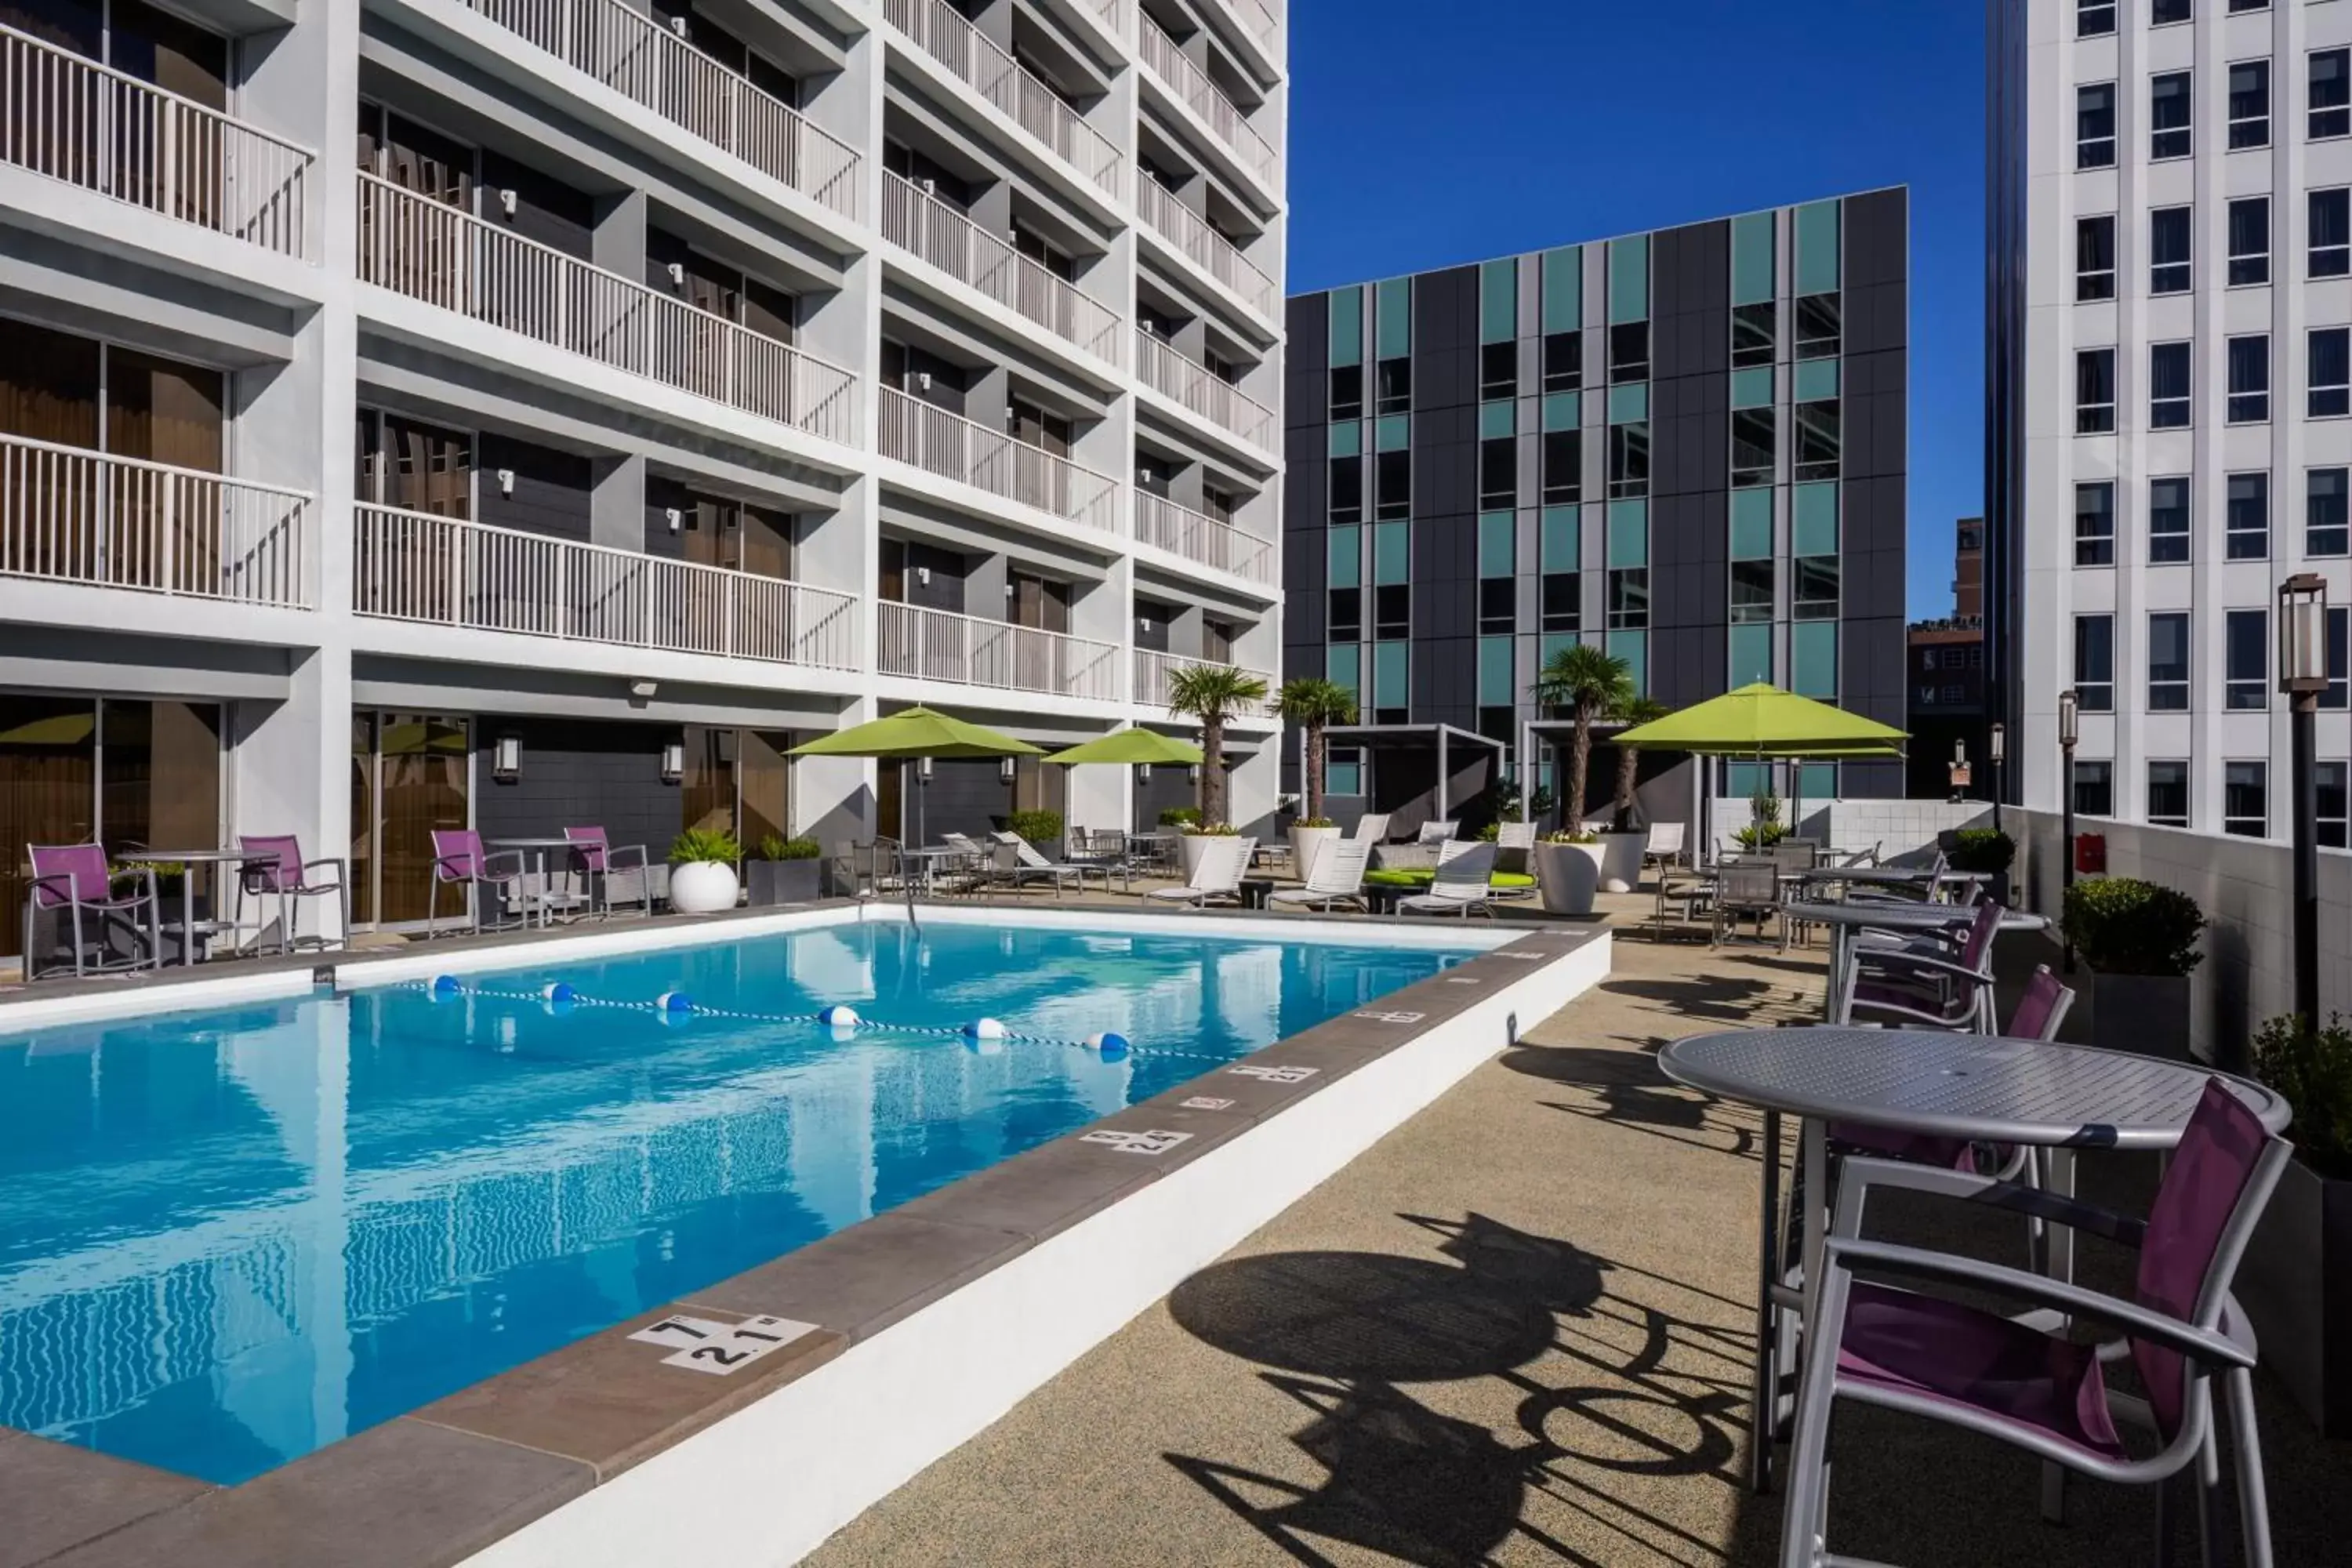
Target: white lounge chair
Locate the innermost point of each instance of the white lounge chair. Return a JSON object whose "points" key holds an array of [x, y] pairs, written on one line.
{"points": [[1666, 846], [1029, 865], [1217, 875], [1514, 839], [1436, 833], [1461, 884], [1338, 879], [1370, 828]]}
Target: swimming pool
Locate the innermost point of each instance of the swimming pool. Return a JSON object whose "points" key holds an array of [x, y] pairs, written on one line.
{"points": [[230, 1237]]}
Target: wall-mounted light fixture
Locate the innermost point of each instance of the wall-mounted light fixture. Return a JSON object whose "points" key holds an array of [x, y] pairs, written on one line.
{"points": [[643, 690], [676, 518], [1143, 773], [1193, 772], [1005, 770], [506, 759], [505, 481], [923, 769], [673, 761], [677, 275], [923, 576], [507, 202]]}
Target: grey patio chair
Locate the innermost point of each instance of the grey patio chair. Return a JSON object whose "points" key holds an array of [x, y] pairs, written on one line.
{"points": [[1372, 828], [1338, 878], [2008, 1378], [1747, 889], [1461, 883], [1029, 865], [1435, 832], [1927, 984], [1216, 876], [278, 871]]}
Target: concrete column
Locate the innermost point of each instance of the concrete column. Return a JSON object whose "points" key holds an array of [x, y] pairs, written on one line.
{"points": [[616, 507], [291, 762], [984, 583], [617, 243], [1100, 796]]}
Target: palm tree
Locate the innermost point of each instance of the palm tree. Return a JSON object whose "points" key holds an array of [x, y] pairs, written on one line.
{"points": [[1312, 704], [1589, 683], [1634, 709], [1214, 694]]}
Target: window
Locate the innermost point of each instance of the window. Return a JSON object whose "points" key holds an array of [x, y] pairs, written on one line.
{"points": [[2250, 379], [2248, 518], [2094, 18], [1816, 442], [2246, 646], [2168, 521], [1629, 460], [1498, 370], [2328, 782], [2249, 104], [2250, 241], [2095, 392], [2094, 524], [1347, 391], [1498, 604], [2168, 131], [2339, 683], [1821, 324], [2168, 662], [1395, 386], [2095, 663], [1346, 489], [1752, 431], [2238, 6], [2330, 254], [1498, 472], [2095, 126], [2095, 789], [1629, 352], [1752, 583], [1347, 615], [2167, 387], [2168, 230], [2168, 794], [2330, 94], [1563, 467], [1563, 362], [2327, 373], [2159, 12], [2245, 799], [1816, 594], [1755, 333], [2094, 258], [1392, 486], [1393, 611], [1629, 599], [2323, 512], [1563, 596]]}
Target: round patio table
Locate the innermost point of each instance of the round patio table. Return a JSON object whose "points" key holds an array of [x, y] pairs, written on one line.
{"points": [[1891, 876], [1844, 920], [192, 931], [546, 898], [1976, 1088]]}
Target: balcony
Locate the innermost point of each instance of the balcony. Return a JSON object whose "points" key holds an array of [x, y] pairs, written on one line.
{"points": [[1256, 20], [1222, 116], [938, 645], [1155, 672], [68, 515], [1202, 246], [927, 229], [1200, 390], [414, 566], [955, 447], [638, 57], [89, 125], [431, 251], [982, 65], [1201, 538]]}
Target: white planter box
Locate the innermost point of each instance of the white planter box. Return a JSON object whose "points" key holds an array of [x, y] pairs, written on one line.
{"points": [[1568, 875], [1306, 844]]}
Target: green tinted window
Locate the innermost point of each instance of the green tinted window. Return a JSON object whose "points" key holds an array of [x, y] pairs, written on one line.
{"points": [[1751, 524], [1629, 533], [1563, 289], [1498, 550], [1346, 552], [1816, 379], [1499, 300], [1630, 403], [1342, 778], [1347, 438], [1551, 644], [1495, 683], [1343, 666], [1814, 519], [1751, 655], [1562, 539], [1746, 781], [1817, 781], [1634, 648], [1817, 247], [1753, 388], [1751, 258], [1391, 660], [1561, 411], [1629, 279], [1348, 326], [1392, 552], [1813, 659], [1498, 419], [1393, 433], [1393, 308]]}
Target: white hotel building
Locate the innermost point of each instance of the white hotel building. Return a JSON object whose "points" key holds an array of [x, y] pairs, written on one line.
{"points": [[391, 391], [2169, 395]]}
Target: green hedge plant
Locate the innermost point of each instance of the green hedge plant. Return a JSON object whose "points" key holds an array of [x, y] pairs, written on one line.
{"points": [[776, 847], [2312, 1069], [697, 844], [1037, 826], [1180, 816], [1985, 849], [2122, 925]]}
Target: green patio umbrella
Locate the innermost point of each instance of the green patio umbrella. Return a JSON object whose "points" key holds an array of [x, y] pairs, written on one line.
{"points": [[1131, 747], [911, 735]]}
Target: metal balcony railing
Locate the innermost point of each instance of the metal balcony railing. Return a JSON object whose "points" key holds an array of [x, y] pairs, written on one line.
{"points": [[1224, 117], [1199, 389], [983, 65], [1196, 536], [1111, 12], [958, 448], [90, 125], [1190, 233], [926, 227], [643, 61], [431, 251], [1156, 672], [70, 515], [415, 566], [1256, 18], [939, 645]]}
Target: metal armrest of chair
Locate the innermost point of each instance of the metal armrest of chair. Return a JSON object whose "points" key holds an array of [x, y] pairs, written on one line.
{"points": [[1860, 1174], [489, 871], [1881, 958], [613, 853]]}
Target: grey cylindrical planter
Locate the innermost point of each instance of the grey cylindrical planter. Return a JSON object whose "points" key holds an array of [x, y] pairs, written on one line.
{"points": [[1568, 875], [2296, 1285], [2147, 1014], [774, 883]]}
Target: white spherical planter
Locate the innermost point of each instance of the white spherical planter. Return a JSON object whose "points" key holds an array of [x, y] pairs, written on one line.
{"points": [[702, 887], [1306, 844]]}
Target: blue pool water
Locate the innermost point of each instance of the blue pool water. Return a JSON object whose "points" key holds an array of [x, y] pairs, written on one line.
{"points": [[228, 1238]]}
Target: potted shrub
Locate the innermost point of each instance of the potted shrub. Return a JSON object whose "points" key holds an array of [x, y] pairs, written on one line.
{"points": [[2296, 1282], [782, 871], [1198, 836], [1313, 705], [1042, 829], [1767, 829], [1567, 872], [2139, 940], [702, 871], [1988, 851], [1215, 694]]}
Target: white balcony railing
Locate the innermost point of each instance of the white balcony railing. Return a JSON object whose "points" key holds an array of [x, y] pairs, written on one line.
{"points": [[1156, 672], [638, 56], [1204, 392], [1111, 11], [960, 448], [93, 126], [1256, 19], [414, 566], [1190, 233], [983, 65], [1224, 117], [926, 227], [938, 645], [1198, 537], [431, 251], [70, 515]]}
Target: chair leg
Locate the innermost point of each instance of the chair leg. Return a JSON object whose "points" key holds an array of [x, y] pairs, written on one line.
{"points": [[1804, 1526], [1764, 1392], [78, 943], [2246, 1445]]}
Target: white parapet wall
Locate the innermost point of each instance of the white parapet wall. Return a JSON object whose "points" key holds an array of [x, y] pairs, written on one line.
{"points": [[1905, 831]]}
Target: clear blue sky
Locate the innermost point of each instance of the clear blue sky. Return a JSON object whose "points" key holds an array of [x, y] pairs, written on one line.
{"points": [[1512, 125]]}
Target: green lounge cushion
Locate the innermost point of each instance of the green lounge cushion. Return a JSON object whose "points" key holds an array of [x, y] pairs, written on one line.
{"points": [[1415, 878]]}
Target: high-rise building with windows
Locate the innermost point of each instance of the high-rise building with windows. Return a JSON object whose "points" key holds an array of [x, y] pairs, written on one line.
{"points": [[444, 414], [1686, 446], [2170, 396]]}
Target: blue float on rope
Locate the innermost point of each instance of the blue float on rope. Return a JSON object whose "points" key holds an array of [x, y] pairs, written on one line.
{"points": [[983, 1029], [1111, 1046], [445, 985], [838, 1017], [674, 1001], [558, 990]]}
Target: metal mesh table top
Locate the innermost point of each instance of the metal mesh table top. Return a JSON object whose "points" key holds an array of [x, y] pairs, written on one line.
{"points": [[1891, 876], [1961, 1086], [1908, 917]]}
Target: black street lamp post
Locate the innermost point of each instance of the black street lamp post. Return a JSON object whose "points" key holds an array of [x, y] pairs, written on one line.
{"points": [[2070, 731], [1999, 754], [2303, 677]]}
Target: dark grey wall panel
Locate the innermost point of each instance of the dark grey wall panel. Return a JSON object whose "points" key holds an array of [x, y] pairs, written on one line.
{"points": [[553, 490], [546, 209], [578, 773]]}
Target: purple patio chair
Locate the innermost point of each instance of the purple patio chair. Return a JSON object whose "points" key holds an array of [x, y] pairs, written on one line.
{"points": [[597, 858], [2005, 1378], [278, 871], [73, 883], [1908, 986], [459, 859]]}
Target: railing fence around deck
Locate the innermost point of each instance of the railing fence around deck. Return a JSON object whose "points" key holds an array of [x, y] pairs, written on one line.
{"points": [[990, 69], [1224, 117], [920, 223], [955, 447], [939, 645]]}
